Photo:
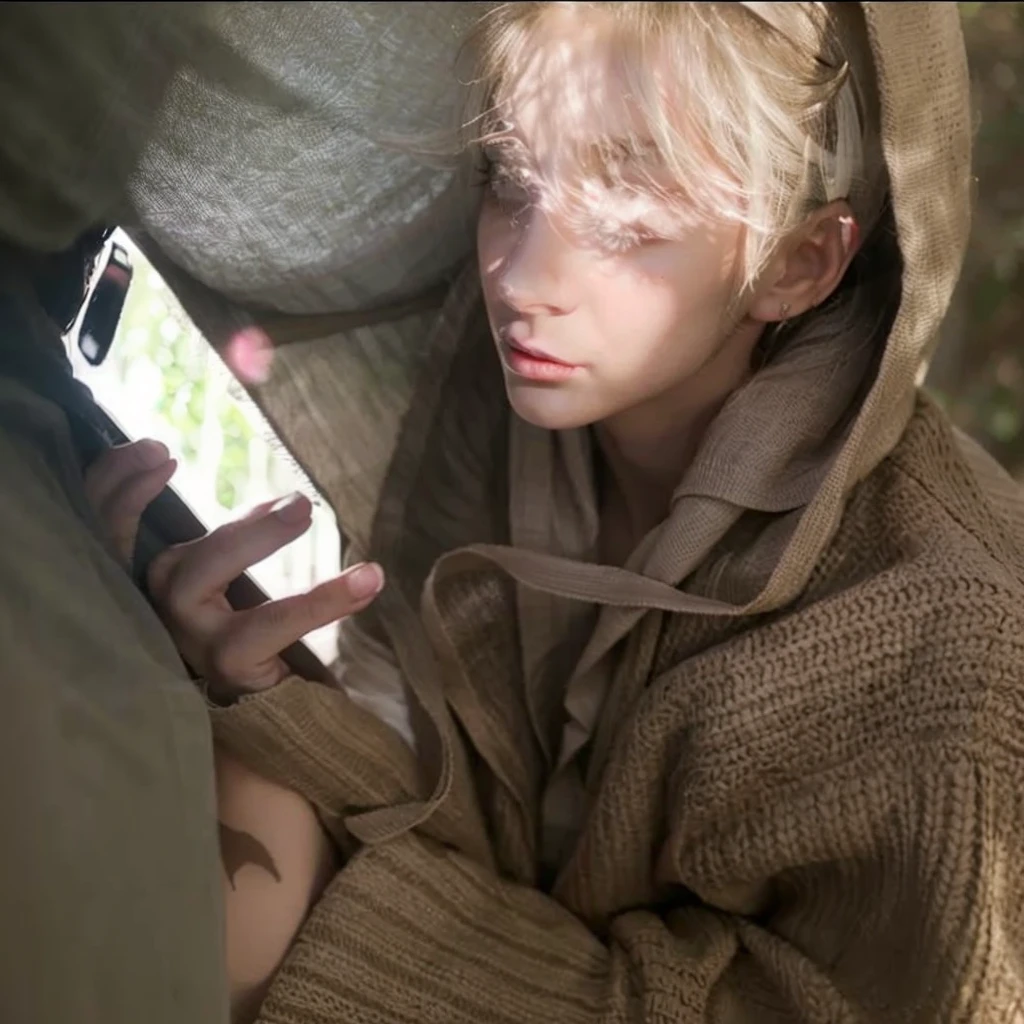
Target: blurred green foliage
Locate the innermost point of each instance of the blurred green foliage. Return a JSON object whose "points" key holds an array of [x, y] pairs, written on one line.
{"points": [[191, 399], [978, 372]]}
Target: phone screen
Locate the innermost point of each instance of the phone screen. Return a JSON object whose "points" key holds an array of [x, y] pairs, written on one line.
{"points": [[161, 379]]}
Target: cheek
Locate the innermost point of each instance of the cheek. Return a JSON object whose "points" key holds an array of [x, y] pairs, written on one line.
{"points": [[688, 282], [659, 305], [642, 303], [495, 240]]}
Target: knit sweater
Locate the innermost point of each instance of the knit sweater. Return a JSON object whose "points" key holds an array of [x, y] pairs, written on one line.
{"points": [[814, 814], [800, 787]]}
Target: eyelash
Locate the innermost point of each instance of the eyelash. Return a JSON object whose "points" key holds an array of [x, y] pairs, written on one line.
{"points": [[617, 238], [609, 236], [509, 190]]}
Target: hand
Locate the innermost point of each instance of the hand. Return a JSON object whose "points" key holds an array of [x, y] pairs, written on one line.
{"points": [[119, 486], [235, 651]]}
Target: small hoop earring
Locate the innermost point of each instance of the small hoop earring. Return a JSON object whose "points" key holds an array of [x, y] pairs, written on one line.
{"points": [[784, 311]]}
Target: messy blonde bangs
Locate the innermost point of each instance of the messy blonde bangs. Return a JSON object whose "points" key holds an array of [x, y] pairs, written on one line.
{"points": [[752, 113]]}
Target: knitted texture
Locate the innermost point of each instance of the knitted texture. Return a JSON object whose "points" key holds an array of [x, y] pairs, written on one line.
{"points": [[799, 782], [801, 779], [809, 815]]}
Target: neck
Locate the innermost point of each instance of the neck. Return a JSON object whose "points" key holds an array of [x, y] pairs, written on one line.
{"points": [[648, 448]]}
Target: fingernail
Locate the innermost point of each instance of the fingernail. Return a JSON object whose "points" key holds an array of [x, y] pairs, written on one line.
{"points": [[264, 508], [365, 581], [151, 453], [292, 510]]}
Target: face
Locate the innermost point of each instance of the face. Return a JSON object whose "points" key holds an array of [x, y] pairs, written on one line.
{"points": [[621, 311]]}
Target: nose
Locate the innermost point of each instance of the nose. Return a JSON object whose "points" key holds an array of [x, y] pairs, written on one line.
{"points": [[536, 276]]}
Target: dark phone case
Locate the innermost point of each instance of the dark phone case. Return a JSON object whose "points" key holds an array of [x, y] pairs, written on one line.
{"points": [[169, 520]]}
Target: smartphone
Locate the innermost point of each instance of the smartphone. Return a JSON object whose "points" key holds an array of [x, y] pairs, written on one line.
{"points": [[168, 521]]}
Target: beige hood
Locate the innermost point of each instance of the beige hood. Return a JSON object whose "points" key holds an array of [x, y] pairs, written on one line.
{"points": [[261, 186], [253, 133]]}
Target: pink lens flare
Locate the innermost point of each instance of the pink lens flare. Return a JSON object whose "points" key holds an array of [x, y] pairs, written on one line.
{"points": [[249, 355]]}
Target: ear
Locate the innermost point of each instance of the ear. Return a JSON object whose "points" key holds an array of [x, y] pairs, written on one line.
{"points": [[808, 265]]}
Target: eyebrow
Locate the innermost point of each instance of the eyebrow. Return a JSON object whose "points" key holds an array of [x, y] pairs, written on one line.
{"points": [[623, 147], [616, 156], [590, 156]]}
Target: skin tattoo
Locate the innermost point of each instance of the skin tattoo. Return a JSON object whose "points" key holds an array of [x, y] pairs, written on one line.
{"points": [[240, 848]]}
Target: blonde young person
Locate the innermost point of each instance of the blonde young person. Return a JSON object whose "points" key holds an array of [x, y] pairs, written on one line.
{"points": [[694, 688]]}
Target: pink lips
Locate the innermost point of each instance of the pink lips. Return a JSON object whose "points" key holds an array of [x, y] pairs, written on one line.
{"points": [[525, 360]]}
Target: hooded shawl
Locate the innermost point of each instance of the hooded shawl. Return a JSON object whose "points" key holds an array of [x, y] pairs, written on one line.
{"points": [[794, 721]]}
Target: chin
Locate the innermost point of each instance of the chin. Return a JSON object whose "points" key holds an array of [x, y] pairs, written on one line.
{"points": [[551, 408]]}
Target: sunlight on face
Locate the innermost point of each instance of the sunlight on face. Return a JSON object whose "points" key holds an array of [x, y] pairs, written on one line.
{"points": [[608, 305]]}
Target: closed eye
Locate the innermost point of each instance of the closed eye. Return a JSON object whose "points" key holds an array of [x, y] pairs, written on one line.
{"points": [[509, 186], [616, 237]]}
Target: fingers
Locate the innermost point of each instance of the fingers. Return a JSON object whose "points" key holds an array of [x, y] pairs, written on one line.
{"points": [[239, 650], [121, 483], [123, 510], [261, 509], [115, 465], [255, 637], [206, 567]]}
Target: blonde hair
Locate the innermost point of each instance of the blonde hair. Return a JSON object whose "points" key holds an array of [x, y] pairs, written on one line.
{"points": [[756, 113]]}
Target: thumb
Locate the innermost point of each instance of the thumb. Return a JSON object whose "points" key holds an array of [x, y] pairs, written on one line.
{"points": [[122, 511]]}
